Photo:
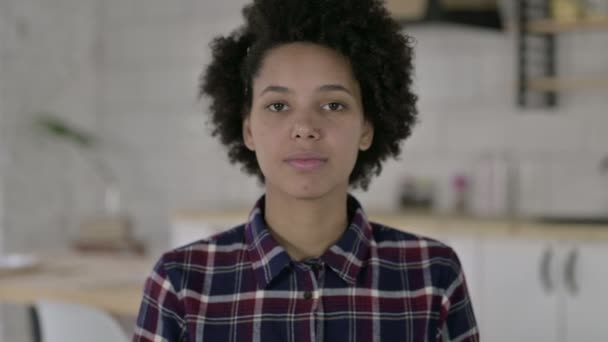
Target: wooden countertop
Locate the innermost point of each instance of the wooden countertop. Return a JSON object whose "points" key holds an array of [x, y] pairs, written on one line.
{"points": [[435, 225], [111, 283]]}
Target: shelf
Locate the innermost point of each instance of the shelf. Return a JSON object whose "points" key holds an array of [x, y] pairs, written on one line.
{"points": [[407, 10], [537, 67], [554, 84], [546, 26]]}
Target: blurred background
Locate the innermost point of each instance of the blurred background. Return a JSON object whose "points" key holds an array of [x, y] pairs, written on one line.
{"points": [[106, 161]]}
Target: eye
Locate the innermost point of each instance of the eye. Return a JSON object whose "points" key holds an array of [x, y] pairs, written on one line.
{"points": [[334, 106], [277, 107]]}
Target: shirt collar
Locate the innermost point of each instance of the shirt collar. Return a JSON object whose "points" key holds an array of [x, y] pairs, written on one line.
{"points": [[346, 257]]}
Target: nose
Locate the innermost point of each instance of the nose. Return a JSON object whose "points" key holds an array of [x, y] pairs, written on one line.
{"points": [[304, 129]]}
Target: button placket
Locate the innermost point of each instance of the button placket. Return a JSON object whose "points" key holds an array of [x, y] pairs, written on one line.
{"points": [[313, 272]]}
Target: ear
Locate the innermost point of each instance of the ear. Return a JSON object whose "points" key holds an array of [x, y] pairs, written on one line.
{"points": [[367, 136], [247, 136]]}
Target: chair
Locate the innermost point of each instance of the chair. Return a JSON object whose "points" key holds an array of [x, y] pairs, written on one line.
{"points": [[68, 322]]}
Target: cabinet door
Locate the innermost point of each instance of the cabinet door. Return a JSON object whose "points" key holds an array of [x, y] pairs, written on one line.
{"points": [[520, 294], [586, 282]]}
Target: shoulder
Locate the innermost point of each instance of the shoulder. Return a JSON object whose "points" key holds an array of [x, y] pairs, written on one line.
{"points": [[389, 237], [413, 251], [220, 244], [219, 249]]}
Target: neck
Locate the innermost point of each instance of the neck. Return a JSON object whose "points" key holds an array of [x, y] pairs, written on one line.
{"points": [[306, 228]]}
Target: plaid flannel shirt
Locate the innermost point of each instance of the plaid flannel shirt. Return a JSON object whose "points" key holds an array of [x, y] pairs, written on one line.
{"points": [[375, 284]]}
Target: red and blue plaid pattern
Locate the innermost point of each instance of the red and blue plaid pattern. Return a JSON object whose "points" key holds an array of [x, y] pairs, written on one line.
{"points": [[375, 284]]}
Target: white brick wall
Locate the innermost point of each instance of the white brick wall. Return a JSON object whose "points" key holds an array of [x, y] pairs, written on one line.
{"points": [[4, 40], [47, 65], [153, 54], [3, 150]]}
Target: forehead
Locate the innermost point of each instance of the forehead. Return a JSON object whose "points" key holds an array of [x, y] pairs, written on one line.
{"points": [[304, 66]]}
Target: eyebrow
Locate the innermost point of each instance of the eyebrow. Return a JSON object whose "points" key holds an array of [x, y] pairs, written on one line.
{"points": [[323, 88]]}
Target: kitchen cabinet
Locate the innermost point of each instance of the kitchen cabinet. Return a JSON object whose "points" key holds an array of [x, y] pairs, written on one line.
{"points": [[519, 295], [543, 290], [586, 283], [467, 238]]}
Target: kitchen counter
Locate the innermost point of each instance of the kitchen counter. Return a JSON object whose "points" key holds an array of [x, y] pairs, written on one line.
{"points": [[112, 283], [433, 225]]}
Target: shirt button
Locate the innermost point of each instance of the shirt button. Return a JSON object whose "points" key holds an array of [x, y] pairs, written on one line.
{"points": [[316, 267], [307, 295]]}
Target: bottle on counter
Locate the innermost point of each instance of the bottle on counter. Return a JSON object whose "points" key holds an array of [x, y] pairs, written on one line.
{"points": [[461, 189]]}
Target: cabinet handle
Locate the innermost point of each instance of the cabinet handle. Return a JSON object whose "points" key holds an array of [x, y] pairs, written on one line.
{"points": [[570, 271], [545, 270]]}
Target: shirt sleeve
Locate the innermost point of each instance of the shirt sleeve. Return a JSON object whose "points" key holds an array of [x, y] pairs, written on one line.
{"points": [[161, 312], [457, 319]]}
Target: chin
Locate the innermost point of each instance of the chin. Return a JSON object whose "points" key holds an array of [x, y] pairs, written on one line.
{"points": [[309, 190], [306, 195], [306, 187]]}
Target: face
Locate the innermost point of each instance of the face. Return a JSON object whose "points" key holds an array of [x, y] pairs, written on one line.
{"points": [[306, 124]]}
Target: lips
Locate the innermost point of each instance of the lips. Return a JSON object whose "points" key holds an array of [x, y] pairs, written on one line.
{"points": [[306, 161]]}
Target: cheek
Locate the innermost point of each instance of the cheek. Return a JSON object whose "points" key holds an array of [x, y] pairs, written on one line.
{"points": [[267, 135], [351, 136], [347, 144], [266, 143]]}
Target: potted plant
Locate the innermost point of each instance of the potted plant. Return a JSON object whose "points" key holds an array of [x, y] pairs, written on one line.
{"points": [[112, 229]]}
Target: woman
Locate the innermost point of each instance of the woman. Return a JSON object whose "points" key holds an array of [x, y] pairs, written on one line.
{"points": [[311, 97]]}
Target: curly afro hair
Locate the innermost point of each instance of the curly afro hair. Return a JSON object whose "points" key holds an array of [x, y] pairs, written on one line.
{"points": [[361, 30]]}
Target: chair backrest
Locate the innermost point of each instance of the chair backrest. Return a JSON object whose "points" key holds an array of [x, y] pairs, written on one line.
{"points": [[68, 322]]}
